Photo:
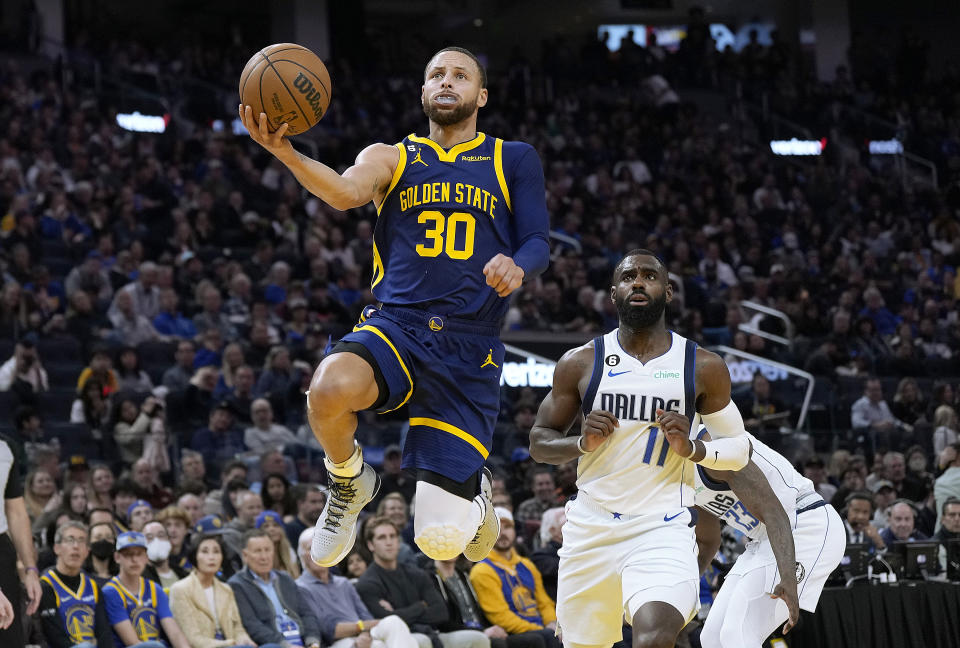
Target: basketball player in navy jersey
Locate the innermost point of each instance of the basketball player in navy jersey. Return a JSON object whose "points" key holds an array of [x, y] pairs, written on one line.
{"points": [[462, 222], [629, 547]]}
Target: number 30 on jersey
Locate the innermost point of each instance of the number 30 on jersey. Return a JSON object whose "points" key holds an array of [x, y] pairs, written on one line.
{"points": [[452, 235]]}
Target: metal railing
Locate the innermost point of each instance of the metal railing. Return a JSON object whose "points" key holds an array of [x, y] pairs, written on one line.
{"points": [[793, 371], [908, 178], [757, 307], [567, 240], [771, 337], [529, 354]]}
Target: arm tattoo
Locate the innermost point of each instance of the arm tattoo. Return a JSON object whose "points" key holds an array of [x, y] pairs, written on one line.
{"points": [[758, 497]]}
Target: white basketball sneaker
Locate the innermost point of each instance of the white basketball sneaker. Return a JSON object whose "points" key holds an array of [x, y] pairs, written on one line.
{"points": [[336, 530], [489, 529]]}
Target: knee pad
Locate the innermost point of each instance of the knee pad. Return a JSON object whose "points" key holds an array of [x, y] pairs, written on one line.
{"points": [[443, 523], [442, 541]]}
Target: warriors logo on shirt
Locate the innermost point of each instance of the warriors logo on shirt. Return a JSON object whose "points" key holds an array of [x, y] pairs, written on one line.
{"points": [[144, 619], [79, 622]]}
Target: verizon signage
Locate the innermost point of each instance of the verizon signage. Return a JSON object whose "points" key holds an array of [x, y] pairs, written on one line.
{"points": [[796, 146], [531, 373]]}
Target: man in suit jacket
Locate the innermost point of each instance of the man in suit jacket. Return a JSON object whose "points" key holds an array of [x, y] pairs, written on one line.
{"points": [[269, 601], [858, 512], [948, 484]]}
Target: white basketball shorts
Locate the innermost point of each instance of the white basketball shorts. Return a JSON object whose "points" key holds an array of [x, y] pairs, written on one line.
{"points": [[744, 615], [613, 563], [819, 542]]}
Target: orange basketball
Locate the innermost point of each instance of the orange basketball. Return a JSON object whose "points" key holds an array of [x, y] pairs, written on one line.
{"points": [[289, 83]]}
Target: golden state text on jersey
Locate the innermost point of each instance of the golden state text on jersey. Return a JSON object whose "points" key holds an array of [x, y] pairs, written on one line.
{"points": [[445, 215]]}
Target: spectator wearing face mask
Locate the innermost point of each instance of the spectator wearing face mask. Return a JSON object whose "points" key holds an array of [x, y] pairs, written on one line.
{"points": [[160, 569], [100, 563]]}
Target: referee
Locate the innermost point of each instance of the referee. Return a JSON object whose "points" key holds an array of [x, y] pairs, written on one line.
{"points": [[15, 540]]}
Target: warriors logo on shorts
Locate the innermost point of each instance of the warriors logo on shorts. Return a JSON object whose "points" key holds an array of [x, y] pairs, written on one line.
{"points": [[801, 572], [612, 360]]}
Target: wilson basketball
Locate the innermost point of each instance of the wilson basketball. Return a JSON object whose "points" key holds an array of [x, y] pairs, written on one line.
{"points": [[289, 83]]}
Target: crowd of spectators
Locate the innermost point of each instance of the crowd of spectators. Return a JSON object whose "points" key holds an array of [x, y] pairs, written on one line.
{"points": [[230, 561], [166, 298]]}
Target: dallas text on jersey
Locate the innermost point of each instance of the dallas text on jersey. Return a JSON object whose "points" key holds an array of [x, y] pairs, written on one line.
{"points": [[625, 406]]}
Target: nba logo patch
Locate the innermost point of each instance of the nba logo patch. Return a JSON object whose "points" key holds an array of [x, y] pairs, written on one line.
{"points": [[435, 324]]}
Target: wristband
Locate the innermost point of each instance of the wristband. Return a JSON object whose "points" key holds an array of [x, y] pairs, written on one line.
{"points": [[33, 569], [360, 626], [580, 446], [693, 449]]}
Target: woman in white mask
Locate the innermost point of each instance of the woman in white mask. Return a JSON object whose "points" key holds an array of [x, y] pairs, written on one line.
{"points": [[158, 553]]}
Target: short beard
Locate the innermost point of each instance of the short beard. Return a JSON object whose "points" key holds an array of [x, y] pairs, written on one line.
{"points": [[641, 317], [448, 117]]}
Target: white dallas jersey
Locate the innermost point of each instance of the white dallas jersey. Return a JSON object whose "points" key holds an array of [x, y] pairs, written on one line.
{"points": [[635, 472], [794, 491]]}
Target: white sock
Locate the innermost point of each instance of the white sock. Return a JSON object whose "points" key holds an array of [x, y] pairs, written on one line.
{"points": [[349, 468]]}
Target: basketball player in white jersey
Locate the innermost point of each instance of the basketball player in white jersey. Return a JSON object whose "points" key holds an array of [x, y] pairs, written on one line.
{"points": [[746, 610], [628, 543]]}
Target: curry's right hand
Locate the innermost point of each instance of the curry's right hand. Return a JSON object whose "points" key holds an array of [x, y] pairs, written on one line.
{"points": [[274, 142]]}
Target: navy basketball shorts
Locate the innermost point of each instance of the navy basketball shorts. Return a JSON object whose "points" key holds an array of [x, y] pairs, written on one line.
{"points": [[447, 371]]}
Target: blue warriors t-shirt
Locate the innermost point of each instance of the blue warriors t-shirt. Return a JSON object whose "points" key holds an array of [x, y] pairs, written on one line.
{"points": [[77, 608], [446, 214], [144, 608]]}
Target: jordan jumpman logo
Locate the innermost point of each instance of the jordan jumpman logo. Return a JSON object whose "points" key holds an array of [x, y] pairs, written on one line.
{"points": [[489, 360], [418, 159]]}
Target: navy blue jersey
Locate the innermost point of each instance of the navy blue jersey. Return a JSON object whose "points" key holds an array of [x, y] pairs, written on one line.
{"points": [[446, 214], [77, 608]]}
